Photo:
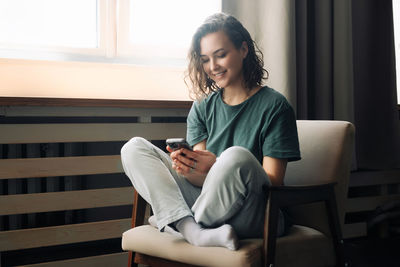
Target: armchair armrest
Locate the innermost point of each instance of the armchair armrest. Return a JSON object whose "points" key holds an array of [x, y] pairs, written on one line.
{"points": [[284, 196]]}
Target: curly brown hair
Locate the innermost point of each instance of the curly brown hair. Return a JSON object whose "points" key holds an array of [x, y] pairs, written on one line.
{"points": [[200, 85]]}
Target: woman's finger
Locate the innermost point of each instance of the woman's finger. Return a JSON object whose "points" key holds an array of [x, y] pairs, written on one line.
{"points": [[187, 161], [175, 154], [182, 168], [189, 153]]}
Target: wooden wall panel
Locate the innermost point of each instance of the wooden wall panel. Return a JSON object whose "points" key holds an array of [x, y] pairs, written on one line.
{"points": [[64, 234], [68, 200], [87, 132], [368, 190], [59, 166], [114, 260]]}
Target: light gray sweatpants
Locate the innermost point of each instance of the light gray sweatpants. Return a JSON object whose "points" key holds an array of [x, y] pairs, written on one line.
{"points": [[233, 192]]}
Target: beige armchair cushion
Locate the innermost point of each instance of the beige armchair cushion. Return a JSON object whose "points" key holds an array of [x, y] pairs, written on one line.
{"points": [[301, 240]]}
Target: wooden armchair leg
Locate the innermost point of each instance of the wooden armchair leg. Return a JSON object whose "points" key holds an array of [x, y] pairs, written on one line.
{"points": [[334, 224], [131, 262], [138, 214], [270, 231]]}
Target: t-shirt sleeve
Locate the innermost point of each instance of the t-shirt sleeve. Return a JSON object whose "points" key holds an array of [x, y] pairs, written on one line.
{"points": [[196, 125], [280, 135]]}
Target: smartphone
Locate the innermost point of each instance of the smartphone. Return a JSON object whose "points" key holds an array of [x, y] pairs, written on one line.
{"points": [[177, 143]]}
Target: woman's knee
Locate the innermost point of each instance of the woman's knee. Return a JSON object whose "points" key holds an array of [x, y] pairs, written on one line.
{"points": [[237, 156], [133, 146], [232, 165]]}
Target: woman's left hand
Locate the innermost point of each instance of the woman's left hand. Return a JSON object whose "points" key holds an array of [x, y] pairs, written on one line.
{"points": [[194, 165]]}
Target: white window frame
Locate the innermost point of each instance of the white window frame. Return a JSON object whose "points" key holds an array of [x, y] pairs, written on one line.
{"points": [[106, 45], [113, 46]]}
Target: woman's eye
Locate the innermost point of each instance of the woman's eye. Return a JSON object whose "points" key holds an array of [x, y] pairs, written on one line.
{"points": [[221, 55], [204, 60]]}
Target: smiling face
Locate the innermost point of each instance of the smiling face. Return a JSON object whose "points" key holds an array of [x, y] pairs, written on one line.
{"points": [[221, 60]]}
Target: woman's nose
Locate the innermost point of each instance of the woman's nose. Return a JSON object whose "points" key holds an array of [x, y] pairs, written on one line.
{"points": [[213, 64]]}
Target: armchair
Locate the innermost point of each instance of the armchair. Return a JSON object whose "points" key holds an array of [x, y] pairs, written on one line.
{"points": [[315, 192]]}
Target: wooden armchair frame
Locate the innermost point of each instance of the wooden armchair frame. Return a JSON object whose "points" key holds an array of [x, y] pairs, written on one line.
{"points": [[278, 197], [321, 176]]}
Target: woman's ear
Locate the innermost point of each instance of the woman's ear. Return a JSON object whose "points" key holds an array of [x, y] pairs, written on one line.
{"points": [[244, 49]]}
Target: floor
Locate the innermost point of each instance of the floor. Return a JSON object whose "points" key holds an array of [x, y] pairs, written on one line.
{"points": [[359, 252], [373, 252]]}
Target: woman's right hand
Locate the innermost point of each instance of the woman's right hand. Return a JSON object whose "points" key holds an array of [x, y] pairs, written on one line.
{"points": [[194, 165]]}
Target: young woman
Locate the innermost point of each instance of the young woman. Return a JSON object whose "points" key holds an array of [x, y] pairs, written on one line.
{"points": [[243, 135]]}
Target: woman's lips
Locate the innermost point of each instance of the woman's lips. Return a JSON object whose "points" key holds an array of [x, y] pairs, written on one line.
{"points": [[219, 74]]}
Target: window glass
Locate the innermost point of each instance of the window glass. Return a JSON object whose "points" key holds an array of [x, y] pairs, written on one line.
{"points": [[148, 32], [68, 23], [168, 23]]}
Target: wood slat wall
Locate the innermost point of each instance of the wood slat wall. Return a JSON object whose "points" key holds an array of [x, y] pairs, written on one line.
{"points": [[90, 132], [115, 259], [372, 191], [370, 203], [16, 169], [66, 200], [64, 234], [59, 166]]}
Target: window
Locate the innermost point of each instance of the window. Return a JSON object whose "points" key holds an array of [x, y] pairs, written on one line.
{"points": [[136, 31], [396, 22], [67, 26], [161, 28], [50, 24]]}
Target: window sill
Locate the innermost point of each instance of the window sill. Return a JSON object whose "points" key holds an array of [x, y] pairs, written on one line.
{"points": [[84, 80], [81, 102]]}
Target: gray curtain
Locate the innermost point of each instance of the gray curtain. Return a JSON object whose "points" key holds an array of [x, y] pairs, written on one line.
{"points": [[333, 60], [376, 117]]}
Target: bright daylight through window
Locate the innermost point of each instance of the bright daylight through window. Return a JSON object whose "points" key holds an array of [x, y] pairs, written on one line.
{"points": [[101, 30], [172, 28], [71, 23]]}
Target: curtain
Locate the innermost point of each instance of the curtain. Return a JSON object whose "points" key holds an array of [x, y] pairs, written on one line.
{"points": [[376, 117], [333, 60]]}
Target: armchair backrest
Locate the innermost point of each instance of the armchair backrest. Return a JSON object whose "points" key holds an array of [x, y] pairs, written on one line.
{"points": [[326, 150]]}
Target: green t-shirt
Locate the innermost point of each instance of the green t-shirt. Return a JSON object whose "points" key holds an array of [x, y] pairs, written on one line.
{"points": [[265, 124]]}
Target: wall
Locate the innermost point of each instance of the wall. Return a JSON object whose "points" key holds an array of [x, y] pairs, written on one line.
{"points": [[31, 78]]}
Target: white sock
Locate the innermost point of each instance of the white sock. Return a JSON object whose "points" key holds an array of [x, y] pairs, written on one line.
{"points": [[195, 234], [153, 222]]}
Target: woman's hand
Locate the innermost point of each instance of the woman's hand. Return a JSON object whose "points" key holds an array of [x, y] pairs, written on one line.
{"points": [[194, 165]]}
